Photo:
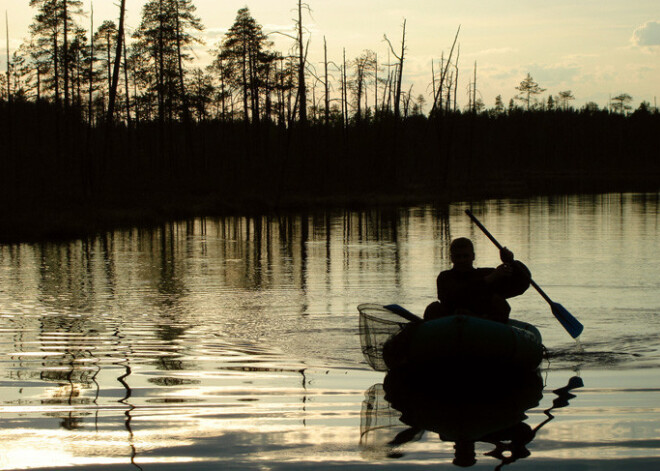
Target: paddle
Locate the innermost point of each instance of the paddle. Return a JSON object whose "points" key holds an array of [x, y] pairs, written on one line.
{"points": [[568, 322], [403, 312]]}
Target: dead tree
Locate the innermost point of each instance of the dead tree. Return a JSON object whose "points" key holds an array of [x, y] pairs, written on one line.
{"points": [[302, 91], [91, 69], [443, 75], [327, 87], [399, 78], [8, 69], [115, 72]]}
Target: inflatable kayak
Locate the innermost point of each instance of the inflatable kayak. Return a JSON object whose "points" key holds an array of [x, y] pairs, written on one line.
{"points": [[464, 342]]}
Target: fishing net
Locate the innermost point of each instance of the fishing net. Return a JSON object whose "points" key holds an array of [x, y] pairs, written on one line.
{"points": [[377, 418], [381, 430], [377, 325]]}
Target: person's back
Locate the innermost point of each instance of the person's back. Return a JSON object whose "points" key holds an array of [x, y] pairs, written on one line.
{"points": [[465, 291], [480, 292]]}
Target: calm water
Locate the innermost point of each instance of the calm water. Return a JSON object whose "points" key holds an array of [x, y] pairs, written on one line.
{"points": [[233, 343]]}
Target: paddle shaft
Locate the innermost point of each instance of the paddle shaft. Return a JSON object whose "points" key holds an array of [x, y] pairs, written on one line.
{"points": [[499, 246]]}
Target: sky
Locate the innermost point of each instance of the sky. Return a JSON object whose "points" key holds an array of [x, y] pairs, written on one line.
{"points": [[595, 48]]}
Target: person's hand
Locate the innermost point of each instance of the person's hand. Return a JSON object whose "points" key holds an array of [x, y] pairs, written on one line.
{"points": [[506, 256]]}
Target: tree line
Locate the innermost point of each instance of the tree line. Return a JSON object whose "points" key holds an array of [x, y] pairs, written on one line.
{"points": [[70, 66], [65, 64], [93, 119]]}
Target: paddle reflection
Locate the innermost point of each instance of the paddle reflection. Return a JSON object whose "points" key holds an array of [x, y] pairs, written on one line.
{"points": [[469, 409]]}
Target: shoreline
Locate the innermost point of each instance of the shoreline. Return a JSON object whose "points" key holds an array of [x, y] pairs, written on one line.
{"points": [[75, 179], [59, 222]]}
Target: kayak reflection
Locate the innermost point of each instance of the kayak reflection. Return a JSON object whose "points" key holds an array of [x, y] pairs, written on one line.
{"points": [[472, 408]]}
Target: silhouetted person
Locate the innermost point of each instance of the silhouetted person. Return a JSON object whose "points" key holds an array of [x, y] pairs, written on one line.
{"points": [[479, 292]]}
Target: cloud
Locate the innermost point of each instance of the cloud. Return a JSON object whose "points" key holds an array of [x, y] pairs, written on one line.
{"points": [[555, 74], [215, 33], [495, 51], [647, 35]]}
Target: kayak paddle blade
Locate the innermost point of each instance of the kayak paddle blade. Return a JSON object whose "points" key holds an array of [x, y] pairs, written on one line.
{"points": [[573, 326]]}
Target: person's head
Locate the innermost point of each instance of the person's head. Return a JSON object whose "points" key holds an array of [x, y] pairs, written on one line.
{"points": [[461, 251]]}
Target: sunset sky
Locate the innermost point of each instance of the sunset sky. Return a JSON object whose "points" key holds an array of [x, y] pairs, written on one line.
{"points": [[596, 49]]}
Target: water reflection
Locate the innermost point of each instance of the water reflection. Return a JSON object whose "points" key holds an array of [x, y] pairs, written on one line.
{"points": [[464, 410], [154, 345]]}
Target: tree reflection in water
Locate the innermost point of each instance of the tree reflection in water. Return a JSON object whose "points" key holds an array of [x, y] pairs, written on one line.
{"points": [[470, 408]]}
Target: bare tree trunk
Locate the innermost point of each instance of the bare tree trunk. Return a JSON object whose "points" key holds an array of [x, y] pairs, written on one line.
{"points": [[254, 87], [449, 85], [86, 165], [56, 64], [245, 83], [443, 74], [161, 71], [386, 100], [442, 81], [126, 84], [474, 89], [136, 102], [113, 94], [108, 59], [78, 80], [345, 92], [388, 89], [399, 77], [8, 72], [269, 90], [376, 86], [222, 92], [314, 102], [433, 76], [458, 53], [397, 97], [302, 91], [91, 68], [358, 95], [182, 85], [327, 88], [115, 72], [65, 52]]}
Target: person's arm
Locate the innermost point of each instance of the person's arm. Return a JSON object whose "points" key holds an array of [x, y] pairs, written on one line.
{"points": [[503, 271]]}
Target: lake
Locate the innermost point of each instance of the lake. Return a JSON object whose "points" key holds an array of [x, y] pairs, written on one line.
{"points": [[233, 343]]}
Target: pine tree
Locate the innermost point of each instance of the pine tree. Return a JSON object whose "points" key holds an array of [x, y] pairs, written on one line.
{"points": [[621, 103], [499, 105], [243, 52], [165, 34], [527, 88], [104, 44], [52, 27], [565, 97], [45, 31]]}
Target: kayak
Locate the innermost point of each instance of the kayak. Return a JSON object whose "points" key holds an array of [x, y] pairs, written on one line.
{"points": [[465, 342]]}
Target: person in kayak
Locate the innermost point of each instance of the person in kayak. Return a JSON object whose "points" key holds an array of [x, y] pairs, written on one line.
{"points": [[480, 292]]}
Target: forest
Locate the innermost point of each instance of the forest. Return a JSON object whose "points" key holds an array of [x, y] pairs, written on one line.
{"points": [[99, 129]]}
